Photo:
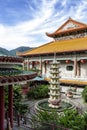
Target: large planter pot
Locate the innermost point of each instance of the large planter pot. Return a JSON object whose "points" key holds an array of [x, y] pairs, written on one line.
{"points": [[69, 94]]}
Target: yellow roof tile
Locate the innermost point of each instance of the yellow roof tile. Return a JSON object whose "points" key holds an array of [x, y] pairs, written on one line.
{"points": [[70, 81], [78, 44], [78, 82]]}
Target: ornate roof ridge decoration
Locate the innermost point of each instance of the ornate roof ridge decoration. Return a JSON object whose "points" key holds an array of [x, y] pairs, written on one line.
{"points": [[69, 26]]}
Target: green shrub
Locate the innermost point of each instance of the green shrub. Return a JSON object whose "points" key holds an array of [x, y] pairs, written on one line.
{"points": [[38, 92], [70, 119], [85, 119], [84, 94]]}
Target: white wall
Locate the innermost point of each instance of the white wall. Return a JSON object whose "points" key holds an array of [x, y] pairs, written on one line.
{"points": [[83, 70], [47, 74], [64, 73]]}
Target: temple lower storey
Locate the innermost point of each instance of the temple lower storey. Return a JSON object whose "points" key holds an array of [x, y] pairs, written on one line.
{"points": [[73, 68]]}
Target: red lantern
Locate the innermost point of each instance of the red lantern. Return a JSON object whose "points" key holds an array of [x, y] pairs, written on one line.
{"points": [[82, 61], [46, 62], [67, 61], [36, 62]]}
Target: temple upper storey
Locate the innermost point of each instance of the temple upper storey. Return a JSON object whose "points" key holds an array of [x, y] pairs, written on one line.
{"points": [[69, 30]]}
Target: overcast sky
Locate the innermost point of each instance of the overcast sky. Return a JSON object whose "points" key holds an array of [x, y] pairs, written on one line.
{"points": [[25, 22]]}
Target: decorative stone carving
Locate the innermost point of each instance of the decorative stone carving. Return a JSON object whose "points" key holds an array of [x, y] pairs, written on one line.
{"points": [[54, 94]]}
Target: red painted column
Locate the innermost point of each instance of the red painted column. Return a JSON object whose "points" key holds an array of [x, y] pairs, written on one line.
{"points": [[75, 67], [28, 65], [10, 105], [45, 68], [1, 107], [78, 69], [41, 67], [23, 66]]}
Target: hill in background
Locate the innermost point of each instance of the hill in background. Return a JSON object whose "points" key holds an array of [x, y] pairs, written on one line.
{"points": [[13, 52], [3, 51]]}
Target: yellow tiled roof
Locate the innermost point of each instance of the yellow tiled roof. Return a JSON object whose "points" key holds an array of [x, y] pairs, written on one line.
{"points": [[78, 82], [78, 44], [70, 81]]}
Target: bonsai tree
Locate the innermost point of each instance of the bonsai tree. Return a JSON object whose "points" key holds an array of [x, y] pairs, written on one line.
{"points": [[84, 94]]}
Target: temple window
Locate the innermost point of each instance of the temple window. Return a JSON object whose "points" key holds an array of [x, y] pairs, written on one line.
{"points": [[69, 67]]}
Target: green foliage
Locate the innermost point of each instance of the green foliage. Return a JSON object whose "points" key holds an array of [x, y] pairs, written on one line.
{"points": [[69, 119], [19, 67], [17, 94], [45, 116], [85, 119], [22, 108], [19, 107], [38, 92], [84, 94], [17, 98], [10, 71]]}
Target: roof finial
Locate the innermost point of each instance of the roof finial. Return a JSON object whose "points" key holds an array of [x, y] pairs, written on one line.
{"points": [[69, 17]]}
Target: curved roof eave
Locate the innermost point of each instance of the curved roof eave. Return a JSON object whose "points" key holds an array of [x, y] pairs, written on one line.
{"points": [[65, 31], [51, 53], [7, 80], [72, 45]]}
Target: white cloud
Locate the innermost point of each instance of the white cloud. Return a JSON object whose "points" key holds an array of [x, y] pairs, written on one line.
{"points": [[46, 18]]}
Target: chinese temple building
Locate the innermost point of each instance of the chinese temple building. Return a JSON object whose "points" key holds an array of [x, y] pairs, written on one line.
{"points": [[10, 76], [70, 44]]}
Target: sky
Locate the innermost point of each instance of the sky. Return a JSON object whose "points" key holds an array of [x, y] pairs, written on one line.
{"points": [[25, 22]]}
